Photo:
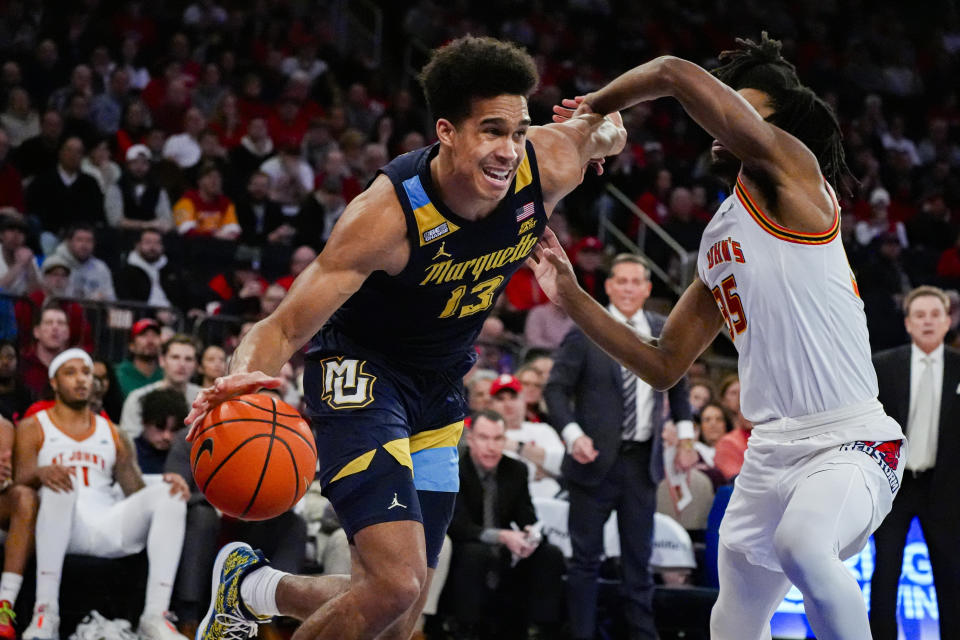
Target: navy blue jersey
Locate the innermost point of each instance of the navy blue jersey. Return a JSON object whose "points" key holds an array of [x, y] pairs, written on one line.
{"points": [[429, 315]]}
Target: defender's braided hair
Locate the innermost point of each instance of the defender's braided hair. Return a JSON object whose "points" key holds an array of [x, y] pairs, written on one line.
{"points": [[797, 109]]}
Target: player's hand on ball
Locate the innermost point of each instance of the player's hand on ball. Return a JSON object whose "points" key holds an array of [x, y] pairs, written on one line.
{"points": [[55, 477], [178, 486], [224, 388], [552, 268]]}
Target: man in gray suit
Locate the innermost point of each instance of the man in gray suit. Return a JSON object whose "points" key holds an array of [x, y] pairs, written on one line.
{"points": [[611, 423]]}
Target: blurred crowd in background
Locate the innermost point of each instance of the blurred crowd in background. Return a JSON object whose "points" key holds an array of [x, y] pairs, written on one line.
{"points": [[169, 167]]}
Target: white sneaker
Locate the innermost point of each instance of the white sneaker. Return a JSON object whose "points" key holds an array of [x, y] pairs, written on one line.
{"points": [[44, 626], [157, 627]]}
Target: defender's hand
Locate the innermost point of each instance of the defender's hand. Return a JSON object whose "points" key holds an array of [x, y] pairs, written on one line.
{"points": [[552, 268], [223, 389], [572, 107]]}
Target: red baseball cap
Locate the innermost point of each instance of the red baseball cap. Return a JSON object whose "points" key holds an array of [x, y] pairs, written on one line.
{"points": [[142, 325], [505, 381], [591, 243]]}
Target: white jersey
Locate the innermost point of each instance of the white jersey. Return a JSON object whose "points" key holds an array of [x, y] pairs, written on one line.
{"points": [[793, 310], [91, 458]]}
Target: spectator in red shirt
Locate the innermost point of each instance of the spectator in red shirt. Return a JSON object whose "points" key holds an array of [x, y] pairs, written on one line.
{"points": [[288, 122], [300, 260], [251, 99], [523, 292], [134, 127], [587, 258], [227, 122], [51, 336], [53, 285], [731, 447]]}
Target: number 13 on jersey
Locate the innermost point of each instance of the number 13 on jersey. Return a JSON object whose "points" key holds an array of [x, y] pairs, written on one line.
{"points": [[731, 306]]}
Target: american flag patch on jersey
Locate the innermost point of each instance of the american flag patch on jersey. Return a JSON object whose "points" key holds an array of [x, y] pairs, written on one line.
{"points": [[525, 212]]}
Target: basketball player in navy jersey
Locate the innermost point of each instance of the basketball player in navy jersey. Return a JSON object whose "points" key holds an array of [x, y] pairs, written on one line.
{"points": [[391, 308]]}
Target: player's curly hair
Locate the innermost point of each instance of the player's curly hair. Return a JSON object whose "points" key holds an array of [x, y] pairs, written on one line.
{"points": [[797, 109], [470, 67]]}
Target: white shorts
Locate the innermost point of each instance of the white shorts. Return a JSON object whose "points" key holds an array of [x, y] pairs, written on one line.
{"points": [[782, 453]]}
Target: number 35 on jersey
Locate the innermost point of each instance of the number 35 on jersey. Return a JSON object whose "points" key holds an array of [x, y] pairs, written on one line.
{"points": [[731, 306]]}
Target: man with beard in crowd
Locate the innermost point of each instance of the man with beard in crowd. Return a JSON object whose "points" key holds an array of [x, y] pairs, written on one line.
{"points": [[143, 366], [138, 202], [147, 276]]}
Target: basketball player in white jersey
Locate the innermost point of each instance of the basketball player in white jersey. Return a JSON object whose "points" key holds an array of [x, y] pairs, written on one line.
{"points": [[74, 457], [823, 461]]}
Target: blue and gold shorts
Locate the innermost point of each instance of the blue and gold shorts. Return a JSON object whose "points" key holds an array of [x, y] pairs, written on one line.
{"points": [[386, 441]]}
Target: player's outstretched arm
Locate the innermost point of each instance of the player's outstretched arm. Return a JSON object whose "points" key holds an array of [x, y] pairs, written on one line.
{"points": [[566, 147], [689, 330], [720, 110], [370, 236]]}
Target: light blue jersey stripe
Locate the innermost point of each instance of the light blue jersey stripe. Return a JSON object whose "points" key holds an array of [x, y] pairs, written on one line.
{"points": [[418, 197]]}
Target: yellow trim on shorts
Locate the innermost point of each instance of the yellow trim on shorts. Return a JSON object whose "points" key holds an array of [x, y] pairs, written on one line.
{"points": [[448, 436], [400, 450], [358, 464]]}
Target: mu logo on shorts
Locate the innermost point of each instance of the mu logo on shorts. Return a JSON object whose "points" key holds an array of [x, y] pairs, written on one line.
{"points": [[345, 385], [886, 454]]}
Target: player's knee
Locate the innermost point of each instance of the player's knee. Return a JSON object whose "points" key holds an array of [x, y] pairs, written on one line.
{"points": [[24, 500], [394, 593], [719, 623]]}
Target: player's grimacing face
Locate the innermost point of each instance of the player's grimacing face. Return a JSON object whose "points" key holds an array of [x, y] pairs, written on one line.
{"points": [[721, 158], [489, 145]]}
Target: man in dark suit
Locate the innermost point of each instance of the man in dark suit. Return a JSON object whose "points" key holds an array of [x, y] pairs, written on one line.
{"points": [[611, 423], [920, 389], [494, 563]]}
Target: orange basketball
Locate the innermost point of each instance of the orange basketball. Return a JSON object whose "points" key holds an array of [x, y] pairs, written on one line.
{"points": [[254, 457]]}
